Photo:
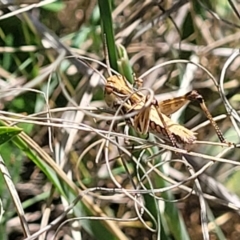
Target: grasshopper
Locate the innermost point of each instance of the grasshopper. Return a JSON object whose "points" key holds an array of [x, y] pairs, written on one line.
{"points": [[155, 118]]}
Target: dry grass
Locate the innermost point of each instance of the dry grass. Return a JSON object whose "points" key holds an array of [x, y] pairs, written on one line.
{"points": [[75, 161]]}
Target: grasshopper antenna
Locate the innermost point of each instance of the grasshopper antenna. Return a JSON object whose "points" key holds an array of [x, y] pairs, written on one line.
{"points": [[106, 55]]}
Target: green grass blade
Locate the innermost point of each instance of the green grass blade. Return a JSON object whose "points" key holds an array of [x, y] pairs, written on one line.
{"points": [[107, 29]]}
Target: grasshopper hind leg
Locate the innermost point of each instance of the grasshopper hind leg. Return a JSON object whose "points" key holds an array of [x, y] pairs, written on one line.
{"points": [[195, 96], [166, 129]]}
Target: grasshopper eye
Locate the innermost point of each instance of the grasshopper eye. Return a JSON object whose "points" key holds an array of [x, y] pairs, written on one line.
{"points": [[108, 89]]}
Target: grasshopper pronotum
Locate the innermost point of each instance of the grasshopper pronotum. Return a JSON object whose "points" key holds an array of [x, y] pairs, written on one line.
{"points": [[155, 117]]}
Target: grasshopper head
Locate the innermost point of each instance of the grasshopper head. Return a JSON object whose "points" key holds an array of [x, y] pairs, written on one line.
{"points": [[116, 91]]}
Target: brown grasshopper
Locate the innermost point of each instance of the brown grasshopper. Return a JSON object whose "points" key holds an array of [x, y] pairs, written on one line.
{"points": [[154, 118]]}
